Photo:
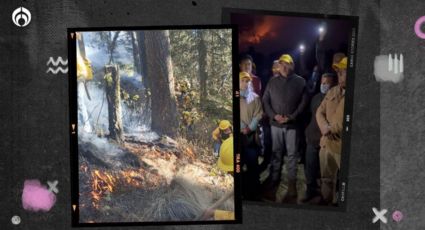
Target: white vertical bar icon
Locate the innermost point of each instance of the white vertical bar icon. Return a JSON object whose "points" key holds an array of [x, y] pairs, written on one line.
{"points": [[401, 63], [395, 64], [390, 63]]}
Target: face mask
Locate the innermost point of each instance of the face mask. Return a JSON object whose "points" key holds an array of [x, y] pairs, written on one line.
{"points": [[224, 136], [324, 88], [243, 93]]}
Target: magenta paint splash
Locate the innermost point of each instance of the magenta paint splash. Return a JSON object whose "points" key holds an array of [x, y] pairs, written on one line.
{"points": [[36, 197]]}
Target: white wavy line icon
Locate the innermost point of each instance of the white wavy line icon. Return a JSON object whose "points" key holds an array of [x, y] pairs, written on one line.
{"points": [[59, 60], [59, 69]]}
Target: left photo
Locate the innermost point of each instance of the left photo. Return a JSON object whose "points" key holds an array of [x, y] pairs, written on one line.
{"points": [[152, 126]]}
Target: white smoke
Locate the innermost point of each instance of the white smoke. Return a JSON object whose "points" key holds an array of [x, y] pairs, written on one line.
{"points": [[136, 122], [97, 110]]}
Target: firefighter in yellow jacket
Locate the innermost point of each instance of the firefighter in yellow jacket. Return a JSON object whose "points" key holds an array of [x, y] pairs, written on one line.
{"points": [[220, 134], [225, 163]]}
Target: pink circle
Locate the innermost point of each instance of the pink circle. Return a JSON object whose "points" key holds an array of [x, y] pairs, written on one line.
{"points": [[418, 30], [397, 216]]}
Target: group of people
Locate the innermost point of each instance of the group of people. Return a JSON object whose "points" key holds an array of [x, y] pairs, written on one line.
{"points": [[273, 124], [280, 111]]}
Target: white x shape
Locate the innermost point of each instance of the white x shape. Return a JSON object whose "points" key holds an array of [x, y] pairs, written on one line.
{"points": [[379, 215], [52, 186]]}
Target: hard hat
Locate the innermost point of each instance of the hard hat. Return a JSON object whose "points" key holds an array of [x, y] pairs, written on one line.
{"points": [[341, 64], [243, 75], [225, 161], [224, 124], [286, 58]]}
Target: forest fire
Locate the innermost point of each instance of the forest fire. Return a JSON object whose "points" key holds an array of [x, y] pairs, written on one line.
{"points": [[259, 31], [102, 183], [149, 167], [132, 177]]}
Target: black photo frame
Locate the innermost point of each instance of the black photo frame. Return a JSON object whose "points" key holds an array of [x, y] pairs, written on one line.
{"points": [[351, 38], [73, 126]]}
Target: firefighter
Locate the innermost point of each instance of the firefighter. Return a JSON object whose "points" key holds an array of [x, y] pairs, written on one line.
{"points": [[220, 134], [225, 163]]}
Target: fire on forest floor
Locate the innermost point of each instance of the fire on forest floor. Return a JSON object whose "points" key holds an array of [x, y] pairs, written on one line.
{"points": [[172, 183]]}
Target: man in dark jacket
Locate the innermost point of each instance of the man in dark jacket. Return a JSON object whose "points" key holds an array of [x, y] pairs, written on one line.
{"points": [[313, 135], [284, 100]]}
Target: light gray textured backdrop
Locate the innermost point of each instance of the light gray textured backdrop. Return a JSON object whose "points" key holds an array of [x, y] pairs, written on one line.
{"points": [[387, 125]]}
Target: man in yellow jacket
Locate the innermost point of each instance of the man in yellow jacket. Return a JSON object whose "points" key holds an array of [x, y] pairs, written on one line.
{"points": [[329, 117], [225, 163]]}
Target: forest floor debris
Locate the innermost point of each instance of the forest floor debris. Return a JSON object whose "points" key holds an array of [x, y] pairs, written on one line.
{"points": [[171, 182]]}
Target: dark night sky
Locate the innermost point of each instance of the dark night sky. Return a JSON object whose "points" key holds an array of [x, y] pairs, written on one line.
{"points": [[273, 35]]}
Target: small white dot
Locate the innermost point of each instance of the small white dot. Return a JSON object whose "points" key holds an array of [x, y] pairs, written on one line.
{"points": [[16, 220]]}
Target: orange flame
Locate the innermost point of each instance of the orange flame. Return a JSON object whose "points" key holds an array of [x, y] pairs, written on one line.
{"points": [[260, 30], [102, 183], [132, 177]]}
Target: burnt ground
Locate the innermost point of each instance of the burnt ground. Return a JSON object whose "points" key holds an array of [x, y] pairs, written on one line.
{"points": [[141, 181]]}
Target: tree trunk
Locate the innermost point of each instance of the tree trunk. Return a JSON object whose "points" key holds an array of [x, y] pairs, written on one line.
{"points": [[202, 64], [112, 46], [136, 53], [213, 70], [160, 74], [81, 45], [114, 103], [140, 37]]}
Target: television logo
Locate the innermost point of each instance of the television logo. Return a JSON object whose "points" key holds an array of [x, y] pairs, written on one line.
{"points": [[21, 17]]}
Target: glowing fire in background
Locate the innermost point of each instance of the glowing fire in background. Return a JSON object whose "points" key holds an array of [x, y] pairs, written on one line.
{"points": [[262, 29]]}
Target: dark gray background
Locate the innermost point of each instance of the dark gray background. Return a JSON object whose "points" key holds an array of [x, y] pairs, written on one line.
{"points": [[402, 116], [386, 128]]}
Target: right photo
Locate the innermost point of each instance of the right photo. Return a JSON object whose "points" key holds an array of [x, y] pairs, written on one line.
{"points": [[296, 85]]}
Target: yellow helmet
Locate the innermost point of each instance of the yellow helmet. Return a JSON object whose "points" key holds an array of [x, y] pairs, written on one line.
{"points": [[341, 64], [224, 124], [243, 75], [225, 161], [286, 58]]}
